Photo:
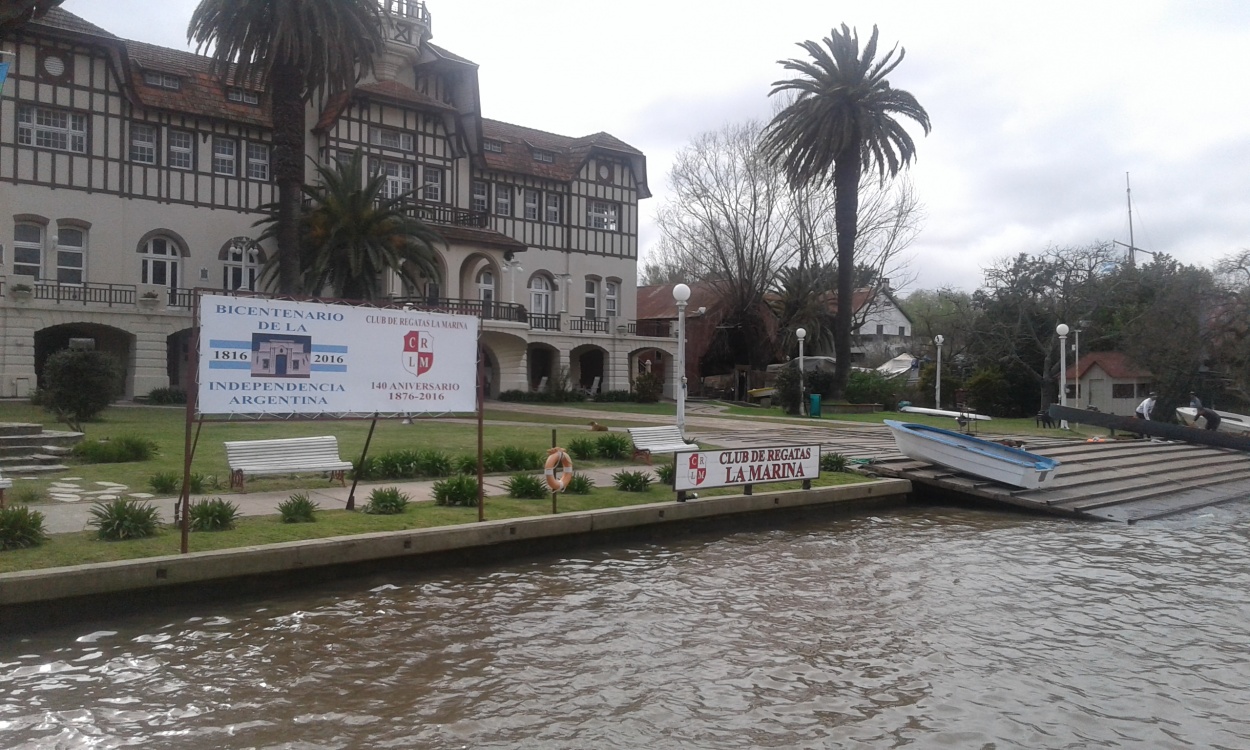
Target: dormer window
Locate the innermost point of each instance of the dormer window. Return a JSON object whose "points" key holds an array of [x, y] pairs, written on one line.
{"points": [[544, 156], [162, 80], [492, 146], [239, 95], [390, 139]]}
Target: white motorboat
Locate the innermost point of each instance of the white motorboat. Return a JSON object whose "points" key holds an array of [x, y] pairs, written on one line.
{"points": [[1237, 424], [971, 455], [967, 415]]}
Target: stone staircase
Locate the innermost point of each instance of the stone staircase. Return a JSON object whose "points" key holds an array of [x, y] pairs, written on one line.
{"points": [[29, 449]]}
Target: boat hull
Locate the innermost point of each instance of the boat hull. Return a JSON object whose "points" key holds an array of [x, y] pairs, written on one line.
{"points": [[1236, 424], [970, 455], [943, 413]]}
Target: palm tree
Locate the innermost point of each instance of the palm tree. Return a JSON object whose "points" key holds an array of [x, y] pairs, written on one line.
{"points": [[292, 49], [352, 236], [841, 120], [800, 299]]}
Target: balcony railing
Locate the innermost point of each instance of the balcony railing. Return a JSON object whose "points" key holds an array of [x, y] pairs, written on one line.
{"points": [[180, 298], [654, 328], [588, 325], [439, 213], [487, 310], [102, 294], [540, 322]]}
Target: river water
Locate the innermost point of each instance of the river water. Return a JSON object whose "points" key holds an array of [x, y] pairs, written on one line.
{"points": [[926, 627]]}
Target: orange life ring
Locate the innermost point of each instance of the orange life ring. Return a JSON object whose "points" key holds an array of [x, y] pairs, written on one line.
{"points": [[558, 457]]}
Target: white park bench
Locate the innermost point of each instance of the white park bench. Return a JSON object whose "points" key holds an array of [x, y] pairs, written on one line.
{"points": [[285, 456], [648, 440]]}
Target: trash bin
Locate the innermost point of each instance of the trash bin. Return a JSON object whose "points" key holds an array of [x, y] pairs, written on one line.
{"points": [[814, 411]]}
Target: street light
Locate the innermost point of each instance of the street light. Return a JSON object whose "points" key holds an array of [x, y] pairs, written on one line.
{"points": [[801, 334], [681, 294], [1062, 329], [937, 391], [1077, 349]]}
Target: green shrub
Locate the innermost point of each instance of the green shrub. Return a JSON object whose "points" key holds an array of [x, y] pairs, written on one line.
{"points": [[167, 396], [527, 487], [386, 501], [77, 385], [27, 495], [400, 464], [118, 450], [871, 388], [632, 481], [460, 490], [203, 482], [520, 459], [580, 484], [648, 387], [213, 515], [833, 462], [165, 483], [21, 527], [583, 448], [613, 445], [432, 463], [494, 460], [614, 396], [667, 473], [466, 464], [124, 518], [787, 386], [298, 509]]}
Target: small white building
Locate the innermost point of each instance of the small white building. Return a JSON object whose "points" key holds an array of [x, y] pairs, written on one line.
{"points": [[1109, 382]]}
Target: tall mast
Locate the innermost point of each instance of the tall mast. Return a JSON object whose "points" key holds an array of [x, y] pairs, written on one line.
{"points": [[1129, 192]]}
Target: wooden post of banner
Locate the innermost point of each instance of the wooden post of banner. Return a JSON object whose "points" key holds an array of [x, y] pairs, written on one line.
{"points": [[351, 496], [188, 450], [553, 492], [481, 406]]}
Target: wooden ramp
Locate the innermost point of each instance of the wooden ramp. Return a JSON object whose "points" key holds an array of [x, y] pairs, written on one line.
{"points": [[1117, 480]]}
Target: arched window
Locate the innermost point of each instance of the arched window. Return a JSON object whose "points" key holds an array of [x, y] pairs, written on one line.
{"points": [[611, 298], [71, 255], [592, 298], [27, 250], [486, 285], [159, 264], [241, 262], [540, 295]]}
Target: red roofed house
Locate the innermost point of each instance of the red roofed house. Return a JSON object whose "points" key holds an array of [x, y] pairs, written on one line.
{"points": [[1108, 381], [127, 168]]}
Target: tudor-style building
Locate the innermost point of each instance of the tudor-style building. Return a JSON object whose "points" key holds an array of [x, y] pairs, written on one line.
{"points": [[128, 168]]}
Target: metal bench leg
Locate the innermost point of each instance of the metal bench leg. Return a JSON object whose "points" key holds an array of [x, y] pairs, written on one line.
{"points": [[643, 454], [339, 476], [236, 479]]}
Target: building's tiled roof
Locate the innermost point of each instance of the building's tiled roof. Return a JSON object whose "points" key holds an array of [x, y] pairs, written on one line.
{"points": [[1115, 364], [454, 232], [519, 144], [398, 92], [63, 19], [448, 55], [657, 303], [201, 91]]}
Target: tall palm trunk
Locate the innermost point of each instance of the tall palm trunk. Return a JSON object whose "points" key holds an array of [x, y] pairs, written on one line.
{"points": [[288, 170], [846, 172]]}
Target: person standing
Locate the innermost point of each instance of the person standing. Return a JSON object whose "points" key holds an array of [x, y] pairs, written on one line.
{"points": [[1146, 406], [1194, 401]]}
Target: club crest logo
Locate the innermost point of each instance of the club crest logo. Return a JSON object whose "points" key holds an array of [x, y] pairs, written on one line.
{"points": [[418, 352], [697, 468]]}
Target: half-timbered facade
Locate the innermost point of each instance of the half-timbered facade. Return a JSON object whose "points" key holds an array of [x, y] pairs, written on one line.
{"points": [[131, 174]]}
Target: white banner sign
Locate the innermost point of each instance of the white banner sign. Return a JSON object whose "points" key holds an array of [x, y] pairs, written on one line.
{"points": [[265, 356], [697, 469]]}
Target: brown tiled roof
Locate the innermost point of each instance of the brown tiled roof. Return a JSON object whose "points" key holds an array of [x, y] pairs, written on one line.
{"points": [[398, 92], [453, 232], [1115, 364], [519, 144], [63, 19], [657, 303], [201, 91], [450, 56]]}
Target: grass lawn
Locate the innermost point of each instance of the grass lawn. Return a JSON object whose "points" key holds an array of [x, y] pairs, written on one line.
{"points": [[84, 547]]}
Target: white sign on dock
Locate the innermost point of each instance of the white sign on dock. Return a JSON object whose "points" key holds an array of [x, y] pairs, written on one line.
{"points": [[702, 469], [268, 356]]}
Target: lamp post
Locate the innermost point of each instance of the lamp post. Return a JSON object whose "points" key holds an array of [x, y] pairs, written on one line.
{"points": [[1076, 360], [1062, 329], [801, 335], [937, 389], [681, 295]]}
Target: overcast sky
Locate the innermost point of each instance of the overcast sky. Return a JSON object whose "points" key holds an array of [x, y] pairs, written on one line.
{"points": [[1038, 110]]}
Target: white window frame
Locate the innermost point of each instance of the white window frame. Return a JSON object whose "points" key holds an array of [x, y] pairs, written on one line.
{"points": [[241, 267], [493, 146], [531, 204], [180, 155], [225, 156], [398, 177], [503, 199], [540, 295], [70, 272], [257, 161], [611, 298], [144, 142], [592, 299], [162, 80], [236, 94], [545, 157], [486, 285], [603, 215], [480, 199], [56, 129], [552, 210], [432, 184], [161, 256], [392, 139], [30, 268]]}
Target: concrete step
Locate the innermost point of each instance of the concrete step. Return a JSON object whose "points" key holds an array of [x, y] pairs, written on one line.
{"points": [[25, 470], [19, 428], [32, 459]]}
